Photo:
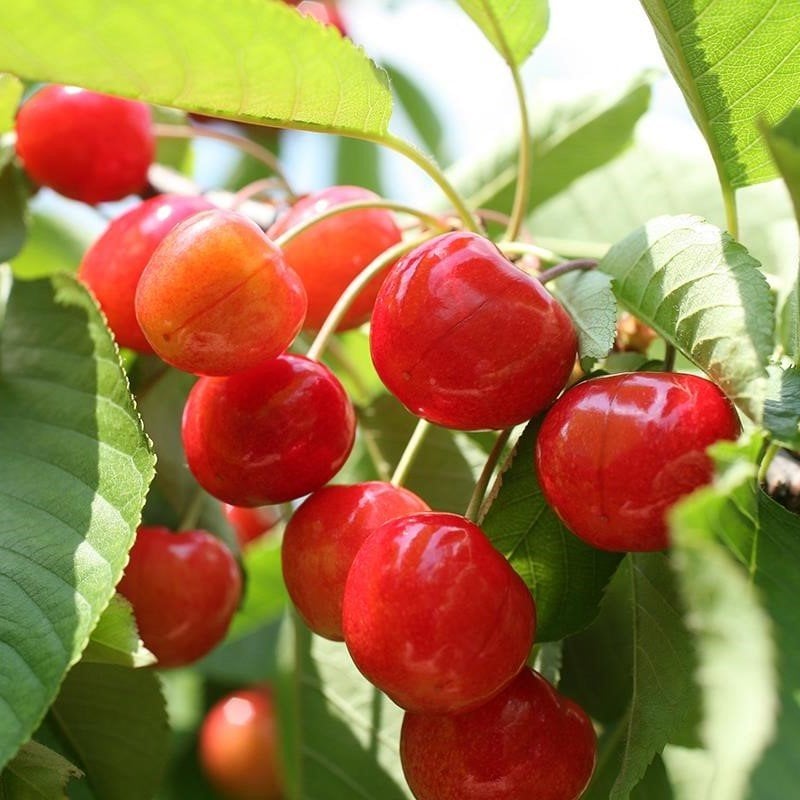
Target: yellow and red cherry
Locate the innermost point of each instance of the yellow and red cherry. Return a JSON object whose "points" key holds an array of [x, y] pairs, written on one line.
{"points": [[434, 616], [250, 524], [87, 146], [217, 297], [322, 539], [184, 589], [465, 339], [616, 452], [527, 743], [272, 434], [238, 746], [328, 255], [112, 266]]}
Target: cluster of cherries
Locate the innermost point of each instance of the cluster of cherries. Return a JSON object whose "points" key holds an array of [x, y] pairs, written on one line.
{"points": [[430, 612]]}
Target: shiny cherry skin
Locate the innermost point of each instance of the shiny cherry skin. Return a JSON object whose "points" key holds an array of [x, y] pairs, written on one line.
{"points": [[322, 539], [112, 266], [328, 255], [217, 297], [434, 616], [268, 435], [527, 743], [238, 746], [250, 524], [184, 588], [615, 453], [465, 339], [87, 146]]}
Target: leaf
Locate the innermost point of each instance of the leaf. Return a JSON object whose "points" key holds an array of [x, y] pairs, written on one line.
{"points": [[74, 472], [513, 28], [704, 293], [116, 640], [567, 142], [419, 108], [10, 95], [36, 773], [247, 60], [565, 575], [782, 408], [784, 144], [589, 300], [340, 735], [13, 208], [358, 164], [113, 719], [735, 63]]}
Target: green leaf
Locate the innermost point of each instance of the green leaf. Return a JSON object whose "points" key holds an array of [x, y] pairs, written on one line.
{"points": [[116, 640], [419, 108], [705, 294], [36, 773], [513, 28], [782, 408], [13, 208], [735, 63], [589, 300], [74, 472], [565, 575], [339, 734], [784, 144], [10, 95], [113, 718], [567, 141], [358, 164], [247, 60]]}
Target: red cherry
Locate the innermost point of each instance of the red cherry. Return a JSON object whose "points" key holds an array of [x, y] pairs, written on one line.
{"points": [[238, 746], [465, 339], [112, 266], [217, 297], [614, 453], [184, 588], [87, 146], [325, 11], [434, 616], [331, 253], [322, 539], [272, 434], [250, 524], [527, 743]]}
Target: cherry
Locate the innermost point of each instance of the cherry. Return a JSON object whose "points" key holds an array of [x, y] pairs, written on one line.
{"points": [[322, 539], [465, 339], [434, 616], [268, 435], [184, 589], [250, 524], [331, 253], [527, 743], [614, 453], [87, 146], [112, 266], [217, 297], [238, 746], [325, 11]]}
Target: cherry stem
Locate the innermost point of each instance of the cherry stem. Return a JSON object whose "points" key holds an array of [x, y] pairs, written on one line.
{"points": [[584, 264], [769, 454], [527, 249], [669, 356], [523, 187], [348, 296], [410, 453], [573, 248], [254, 189], [478, 493], [193, 510], [429, 219], [251, 148]]}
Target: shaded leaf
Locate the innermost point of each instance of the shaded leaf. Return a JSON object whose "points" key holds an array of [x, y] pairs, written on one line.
{"points": [[420, 109], [782, 408], [36, 773], [10, 95], [116, 640], [13, 208]]}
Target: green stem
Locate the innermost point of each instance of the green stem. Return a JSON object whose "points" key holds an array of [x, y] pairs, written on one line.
{"points": [[573, 248], [478, 493], [193, 510], [413, 446], [348, 296], [769, 455], [432, 221], [526, 249], [523, 187], [253, 190], [731, 213]]}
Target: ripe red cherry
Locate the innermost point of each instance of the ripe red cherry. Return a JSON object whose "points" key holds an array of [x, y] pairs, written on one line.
{"points": [[322, 539], [238, 746], [112, 266], [331, 253], [527, 743], [250, 524], [465, 339], [217, 297], [184, 589], [87, 146], [434, 616], [268, 435], [614, 453]]}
